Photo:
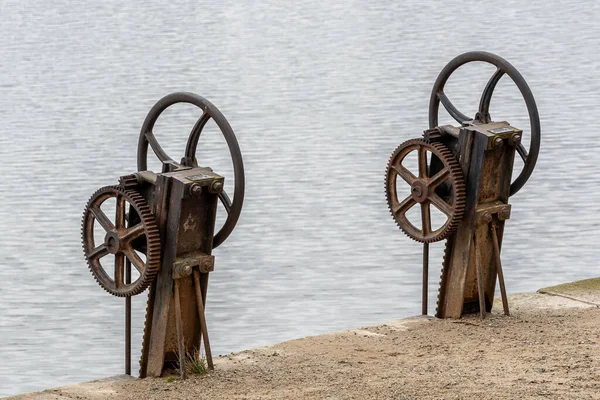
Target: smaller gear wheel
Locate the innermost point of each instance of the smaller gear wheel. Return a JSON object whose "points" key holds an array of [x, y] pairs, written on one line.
{"points": [[439, 182], [124, 239]]}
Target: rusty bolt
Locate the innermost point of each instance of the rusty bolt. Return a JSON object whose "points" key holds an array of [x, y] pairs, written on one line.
{"points": [[181, 270], [195, 190], [215, 187], [498, 142], [486, 217], [504, 214], [515, 139]]}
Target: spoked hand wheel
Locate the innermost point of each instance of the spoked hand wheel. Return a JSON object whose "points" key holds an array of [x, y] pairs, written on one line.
{"points": [[120, 240], [440, 185], [233, 207], [482, 115]]}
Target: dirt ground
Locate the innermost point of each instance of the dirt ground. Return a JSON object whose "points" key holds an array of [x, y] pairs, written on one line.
{"points": [[549, 348]]}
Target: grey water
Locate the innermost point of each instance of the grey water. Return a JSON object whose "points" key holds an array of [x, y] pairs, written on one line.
{"points": [[319, 94]]}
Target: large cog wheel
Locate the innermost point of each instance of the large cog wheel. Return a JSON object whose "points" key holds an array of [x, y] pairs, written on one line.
{"points": [[439, 182], [122, 240]]}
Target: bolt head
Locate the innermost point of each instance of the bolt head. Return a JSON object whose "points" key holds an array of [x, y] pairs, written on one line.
{"points": [[216, 187], [515, 139], [187, 270], [195, 190], [498, 142]]}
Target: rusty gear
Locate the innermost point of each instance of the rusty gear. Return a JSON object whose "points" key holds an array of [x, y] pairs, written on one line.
{"points": [[122, 241], [129, 182], [445, 189]]}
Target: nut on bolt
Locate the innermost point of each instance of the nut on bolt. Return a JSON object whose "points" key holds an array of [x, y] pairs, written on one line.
{"points": [[195, 190], [515, 139], [215, 187], [182, 270], [504, 214], [498, 142]]}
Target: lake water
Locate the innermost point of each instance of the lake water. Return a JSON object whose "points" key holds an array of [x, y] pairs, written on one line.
{"points": [[319, 94]]}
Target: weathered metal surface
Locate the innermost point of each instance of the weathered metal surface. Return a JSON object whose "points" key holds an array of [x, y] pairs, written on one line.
{"points": [[488, 177], [119, 241], [175, 210], [484, 152], [438, 183]]}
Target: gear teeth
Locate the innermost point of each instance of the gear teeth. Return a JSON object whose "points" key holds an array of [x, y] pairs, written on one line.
{"points": [[455, 176], [442, 286], [129, 182], [153, 250], [146, 334]]}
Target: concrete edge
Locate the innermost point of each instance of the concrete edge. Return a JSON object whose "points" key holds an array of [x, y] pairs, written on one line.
{"points": [[544, 299]]}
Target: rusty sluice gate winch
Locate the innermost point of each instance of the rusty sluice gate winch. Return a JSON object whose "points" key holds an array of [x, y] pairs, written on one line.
{"points": [[164, 225], [464, 172]]}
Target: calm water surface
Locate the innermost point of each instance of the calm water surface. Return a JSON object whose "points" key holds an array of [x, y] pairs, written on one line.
{"points": [[319, 94]]}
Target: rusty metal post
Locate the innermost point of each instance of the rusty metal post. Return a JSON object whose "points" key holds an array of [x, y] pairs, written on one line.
{"points": [[424, 293], [179, 326], [203, 327], [499, 268], [480, 286], [128, 321]]}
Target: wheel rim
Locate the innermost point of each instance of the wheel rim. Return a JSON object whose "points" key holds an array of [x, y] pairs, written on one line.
{"points": [[503, 68], [232, 207]]}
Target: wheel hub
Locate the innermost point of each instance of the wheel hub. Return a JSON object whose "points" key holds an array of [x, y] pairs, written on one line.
{"points": [[112, 242], [419, 191]]}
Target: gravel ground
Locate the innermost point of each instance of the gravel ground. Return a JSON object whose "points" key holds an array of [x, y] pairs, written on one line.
{"points": [[549, 348]]}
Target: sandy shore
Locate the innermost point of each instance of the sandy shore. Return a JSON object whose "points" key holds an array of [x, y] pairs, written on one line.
{"points": [[548, 348]]}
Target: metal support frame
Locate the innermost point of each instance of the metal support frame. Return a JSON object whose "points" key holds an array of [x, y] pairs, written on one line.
{"points": [[171, 221], [468, 178]]}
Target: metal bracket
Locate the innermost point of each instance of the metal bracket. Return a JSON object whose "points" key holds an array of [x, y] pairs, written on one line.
{"points": [[486, 211], [183, 265]]}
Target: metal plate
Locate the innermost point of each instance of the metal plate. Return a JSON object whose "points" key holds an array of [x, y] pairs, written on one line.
{"points": [[199, 177]]}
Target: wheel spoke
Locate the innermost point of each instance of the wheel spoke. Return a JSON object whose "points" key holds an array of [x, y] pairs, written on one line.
{"points": [[422, 156], [438, 178], [403, 207], [102, 219], [404, 174], [120, 213], [190, 149], [135, 260], [441, 204], [98, 252], [425, 218], [133, 232], [226, 201], [119, 270], [522, 152], [160, 153], [486, 96], [453, 111]]}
